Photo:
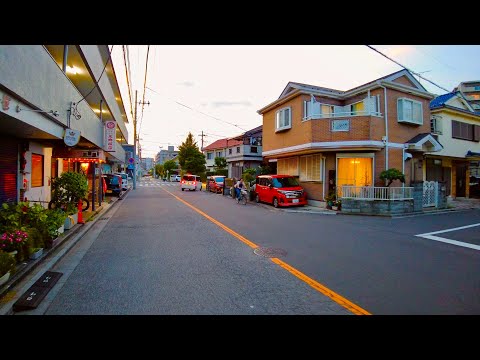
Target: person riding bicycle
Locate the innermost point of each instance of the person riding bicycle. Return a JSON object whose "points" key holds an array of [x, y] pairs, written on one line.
{"points": [[239, 185]]}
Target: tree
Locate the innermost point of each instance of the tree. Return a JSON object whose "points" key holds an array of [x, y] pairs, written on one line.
{"points": [[168, 166], [190, 158], [159, 170], [220, 163], [391, 175]]}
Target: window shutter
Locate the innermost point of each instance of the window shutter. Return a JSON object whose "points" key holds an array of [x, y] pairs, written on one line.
{"points": [[303, 168], [307, 109], [277, 115], [417, 115], [455, 129], [400, 109], [476, 133], [438, 126]]}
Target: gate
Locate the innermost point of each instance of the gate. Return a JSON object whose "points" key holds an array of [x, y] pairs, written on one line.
{"points": [[430, 193]]}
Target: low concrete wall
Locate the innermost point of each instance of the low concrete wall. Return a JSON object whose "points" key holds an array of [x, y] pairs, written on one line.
{"points": [[377, 207]]}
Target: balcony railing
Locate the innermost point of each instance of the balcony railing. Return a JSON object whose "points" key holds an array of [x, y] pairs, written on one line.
{"points": [[375, 193], [341, 114]]}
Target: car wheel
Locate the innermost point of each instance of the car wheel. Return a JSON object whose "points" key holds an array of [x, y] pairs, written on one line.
{"points": [[275, 202], [257, 198]]}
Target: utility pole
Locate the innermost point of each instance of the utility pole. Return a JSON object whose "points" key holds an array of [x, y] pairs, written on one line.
{"points": [[202, 135], [135, 145]]}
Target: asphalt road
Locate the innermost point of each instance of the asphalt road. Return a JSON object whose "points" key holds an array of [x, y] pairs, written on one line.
{"points": [[164, 251]]}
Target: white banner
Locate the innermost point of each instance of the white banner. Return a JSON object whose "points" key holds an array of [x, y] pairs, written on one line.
{"points": [[109, 142]]}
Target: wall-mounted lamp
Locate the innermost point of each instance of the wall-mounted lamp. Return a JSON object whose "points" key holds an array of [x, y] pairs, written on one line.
{"points": [[54, 113]]}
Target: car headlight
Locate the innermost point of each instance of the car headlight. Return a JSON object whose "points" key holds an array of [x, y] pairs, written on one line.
{"points": [[283, 192]]}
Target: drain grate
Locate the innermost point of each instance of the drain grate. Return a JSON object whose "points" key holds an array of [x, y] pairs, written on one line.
{"points": [[269, 252], [104, 218]]}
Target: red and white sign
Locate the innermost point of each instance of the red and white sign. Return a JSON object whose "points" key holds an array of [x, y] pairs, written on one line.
{"points": [[109, 140]]}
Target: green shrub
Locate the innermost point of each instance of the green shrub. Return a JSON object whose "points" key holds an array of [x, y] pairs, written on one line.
{"points": [[7, 263]]}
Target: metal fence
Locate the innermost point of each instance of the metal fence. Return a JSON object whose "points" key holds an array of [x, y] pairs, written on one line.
{"points": [[375, 193]]}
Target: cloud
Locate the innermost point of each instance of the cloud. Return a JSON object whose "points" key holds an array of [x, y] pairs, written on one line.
{"points": [[186, 83], [398, 50], [231, 103]]}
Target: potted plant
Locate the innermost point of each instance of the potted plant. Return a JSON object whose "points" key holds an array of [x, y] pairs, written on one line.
{"points": [[330, 199], [13, 243], [67, 191], [35, 252], [7, 267]]}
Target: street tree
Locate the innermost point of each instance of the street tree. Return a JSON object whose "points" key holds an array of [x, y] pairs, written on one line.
{"points": [[168, 166], [190, 158], [220, 163], [159, 170]]}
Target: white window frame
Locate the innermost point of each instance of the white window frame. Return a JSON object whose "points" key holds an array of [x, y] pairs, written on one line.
{"points": [[280, 120], [435, 126], [333, 129], [404, 120], [308, 176]]}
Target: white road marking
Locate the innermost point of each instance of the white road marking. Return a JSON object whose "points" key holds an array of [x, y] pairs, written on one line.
{"points": [[430, 236]]}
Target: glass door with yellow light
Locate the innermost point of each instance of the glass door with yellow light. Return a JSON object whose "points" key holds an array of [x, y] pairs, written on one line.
{"points": [[354, 172]]}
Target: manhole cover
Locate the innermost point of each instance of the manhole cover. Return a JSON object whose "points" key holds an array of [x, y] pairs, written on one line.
{"points": [[269, 252]]}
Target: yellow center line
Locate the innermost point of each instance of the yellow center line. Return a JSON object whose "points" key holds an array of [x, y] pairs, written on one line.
{"points": [[357, 310]]}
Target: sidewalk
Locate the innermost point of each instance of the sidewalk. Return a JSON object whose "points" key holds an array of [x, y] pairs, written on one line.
{"points": [[13, 289]]}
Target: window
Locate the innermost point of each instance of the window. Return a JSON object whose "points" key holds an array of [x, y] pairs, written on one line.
{"points": [[238, 149], [219, 154], [340, 125], [465, 131], [283, 119], [409, 111], [316, 110], [435, 126], [230, 151], [253, 149], [288, 166], [209, 156], [310, 168], [327, 110], [357, 108], [37, 170]]}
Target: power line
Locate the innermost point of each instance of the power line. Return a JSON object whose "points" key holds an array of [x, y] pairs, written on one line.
{"points": [[128, 80], [188, 107], [144, 86], [415, 73]]}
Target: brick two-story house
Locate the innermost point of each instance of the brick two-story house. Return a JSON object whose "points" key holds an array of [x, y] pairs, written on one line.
{"points": [[329, 138]]}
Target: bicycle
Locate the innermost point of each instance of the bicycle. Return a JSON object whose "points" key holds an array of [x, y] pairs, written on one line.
{"points": [[243, 197], [53, 205]]}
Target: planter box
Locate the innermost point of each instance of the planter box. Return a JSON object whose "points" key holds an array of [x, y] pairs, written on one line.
{"points": [[36, 254], [70, 221]]}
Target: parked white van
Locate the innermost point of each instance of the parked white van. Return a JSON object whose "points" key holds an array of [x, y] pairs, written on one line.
{"points": [[191, 182]]}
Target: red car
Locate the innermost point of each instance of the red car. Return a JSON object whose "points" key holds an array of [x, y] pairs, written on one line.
{"points": [[279, 190], [215, 183]]}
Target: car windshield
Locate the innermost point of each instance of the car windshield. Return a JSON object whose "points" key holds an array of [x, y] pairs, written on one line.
{"points": [[284, 182]]}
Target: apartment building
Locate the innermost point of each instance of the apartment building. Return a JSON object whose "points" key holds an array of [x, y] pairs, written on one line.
{"points": [[61, 110]]}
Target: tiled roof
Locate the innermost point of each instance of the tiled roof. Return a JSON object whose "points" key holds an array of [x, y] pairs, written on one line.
{"points": [[222, 144], [441, 100], [416, 138]]}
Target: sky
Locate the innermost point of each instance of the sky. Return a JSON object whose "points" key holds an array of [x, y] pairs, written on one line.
{"points": [[217, 89]]}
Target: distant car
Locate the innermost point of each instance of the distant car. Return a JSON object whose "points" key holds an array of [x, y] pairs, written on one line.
{"points": [[175, 178], [124, 180], [215, 183], [191, 182], [114, 184]]}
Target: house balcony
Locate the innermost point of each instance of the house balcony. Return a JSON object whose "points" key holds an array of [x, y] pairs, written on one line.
{"points": [[344, 127]]}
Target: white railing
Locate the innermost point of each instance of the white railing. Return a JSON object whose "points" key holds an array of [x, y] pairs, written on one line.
{"points": [[342, 114], [375, 193]]}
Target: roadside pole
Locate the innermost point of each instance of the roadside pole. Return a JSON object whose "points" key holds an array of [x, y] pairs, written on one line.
{"points": [[135, 145]]}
